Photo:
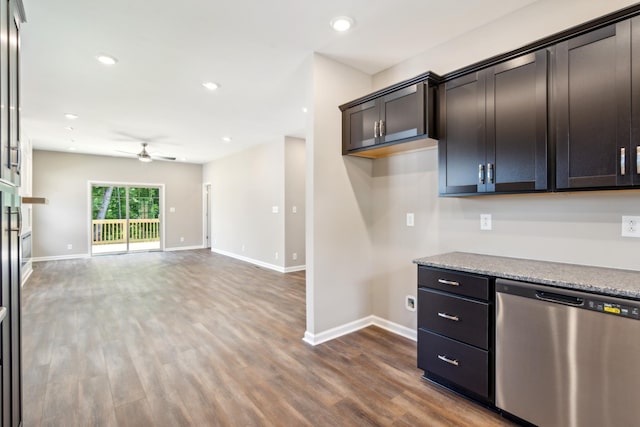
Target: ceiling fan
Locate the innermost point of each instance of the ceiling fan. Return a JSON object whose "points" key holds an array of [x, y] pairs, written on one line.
{"points": [[144, 155]]}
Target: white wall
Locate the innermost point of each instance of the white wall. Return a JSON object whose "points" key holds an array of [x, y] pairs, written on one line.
{"points": [[245, 187], [582, 228], [63, 179], [339, 197], [295, 172]]}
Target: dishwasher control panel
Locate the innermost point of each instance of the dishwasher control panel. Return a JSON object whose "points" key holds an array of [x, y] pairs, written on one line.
{"points": [[612, 308]]}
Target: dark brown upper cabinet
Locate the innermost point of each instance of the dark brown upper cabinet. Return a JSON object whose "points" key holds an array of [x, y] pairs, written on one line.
{"points": [[593, 97], [396, 119], [494, 124]]}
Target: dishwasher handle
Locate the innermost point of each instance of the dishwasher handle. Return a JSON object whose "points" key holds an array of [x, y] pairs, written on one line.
{"points": [[559, 298]]}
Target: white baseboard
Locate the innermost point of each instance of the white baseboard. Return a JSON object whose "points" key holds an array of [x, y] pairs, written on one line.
{"points": [[184, 248], [333, 333], [295, 268], [60, 257], [26, 274], [277, 268]]}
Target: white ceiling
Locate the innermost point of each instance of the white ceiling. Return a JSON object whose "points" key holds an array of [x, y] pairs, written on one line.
{"points": [[255, 49]]}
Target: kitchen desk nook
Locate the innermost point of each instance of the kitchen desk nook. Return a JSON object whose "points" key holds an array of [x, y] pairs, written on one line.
{"points": [[542, 342]]}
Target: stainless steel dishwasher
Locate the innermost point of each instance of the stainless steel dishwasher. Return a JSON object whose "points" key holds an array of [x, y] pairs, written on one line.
{"points": [[567, 358]]}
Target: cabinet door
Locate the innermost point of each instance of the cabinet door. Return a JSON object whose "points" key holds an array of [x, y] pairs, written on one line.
{"points": [[517, 124], [403, 114], [593, 109], [461, 149], [634, 167], [359, 126], [5, 147]]}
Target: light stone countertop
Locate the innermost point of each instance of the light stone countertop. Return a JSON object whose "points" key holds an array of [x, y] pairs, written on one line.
{"points": [[608, 281]]}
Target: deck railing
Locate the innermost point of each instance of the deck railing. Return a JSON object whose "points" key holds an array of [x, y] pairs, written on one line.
{"points": [[110, 231]]}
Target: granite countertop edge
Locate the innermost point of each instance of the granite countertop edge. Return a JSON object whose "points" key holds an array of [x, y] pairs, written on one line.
{"points": [[600, 280]]}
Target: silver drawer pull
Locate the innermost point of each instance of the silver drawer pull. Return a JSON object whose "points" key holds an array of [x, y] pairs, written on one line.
{"points": [[446, 316], [448, 282], [450, 361], [638, 159], [623, 161]]}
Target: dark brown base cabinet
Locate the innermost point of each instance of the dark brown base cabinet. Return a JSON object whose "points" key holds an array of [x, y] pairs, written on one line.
{"points": [[455, 331]]}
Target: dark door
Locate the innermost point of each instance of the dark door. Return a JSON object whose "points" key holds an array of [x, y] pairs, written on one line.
{"points": [[11, 170], [12, 208], [5, 301], [517, 124], [593, 109], [461, 148], [402, 114], [360, 125]]}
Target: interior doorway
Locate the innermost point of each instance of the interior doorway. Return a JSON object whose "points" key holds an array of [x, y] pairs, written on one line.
{"points": [[125, 218], [207, 215]]}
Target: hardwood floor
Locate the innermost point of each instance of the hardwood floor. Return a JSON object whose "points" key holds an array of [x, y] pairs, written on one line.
{"points": [[198, 339]]}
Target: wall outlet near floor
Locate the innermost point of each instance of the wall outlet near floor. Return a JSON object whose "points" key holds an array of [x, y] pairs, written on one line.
{"points": [[294, 209], [242, 248], [410, 219], [631, 226], [69, 246], [294, 256], [485, 221], [410, 303], [182, 239], [277, 255], [274, 209]]}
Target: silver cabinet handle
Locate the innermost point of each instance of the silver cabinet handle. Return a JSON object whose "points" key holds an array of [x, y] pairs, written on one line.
{"points": [[490, 172], [623, 161], [448, 282], [450, 361], [447, 316], [382, 128], [481, 173], [638, 159], [376, 129], [3, 313]]}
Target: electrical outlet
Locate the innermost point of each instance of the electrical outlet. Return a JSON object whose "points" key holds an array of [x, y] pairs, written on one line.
{"points": [[410, 219], [294, 256], [242, 248], [69, 246], [631, 226], [485, 221], [274, 209], [182, 239], [294, 209], [276, 255], [410, 303]]}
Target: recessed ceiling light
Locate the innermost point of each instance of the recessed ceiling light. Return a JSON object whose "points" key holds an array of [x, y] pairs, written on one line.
{"points": [[305, 110], [72, 148], [106, 59], [184, 159], [211, 85], [71, 116], [226, 138], [341, 23]]}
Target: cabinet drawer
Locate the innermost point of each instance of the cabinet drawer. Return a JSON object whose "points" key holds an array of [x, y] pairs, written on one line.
{"points": [[455, 361], [454, 282], [459, 318]]}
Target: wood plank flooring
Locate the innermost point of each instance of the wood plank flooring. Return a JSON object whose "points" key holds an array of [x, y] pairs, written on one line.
{"points": [[198, 339]]}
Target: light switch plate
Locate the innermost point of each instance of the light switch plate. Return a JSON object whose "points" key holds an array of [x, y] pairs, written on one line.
{"points": [[410, 219], [274, 209], [485, 221]]}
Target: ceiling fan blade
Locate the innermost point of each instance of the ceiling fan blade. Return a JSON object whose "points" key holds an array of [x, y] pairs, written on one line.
{"points": [[127, 152], [163, 157]]}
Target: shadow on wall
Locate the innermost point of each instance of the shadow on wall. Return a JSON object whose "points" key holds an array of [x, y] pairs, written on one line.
{"points": [[359, 173]]}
